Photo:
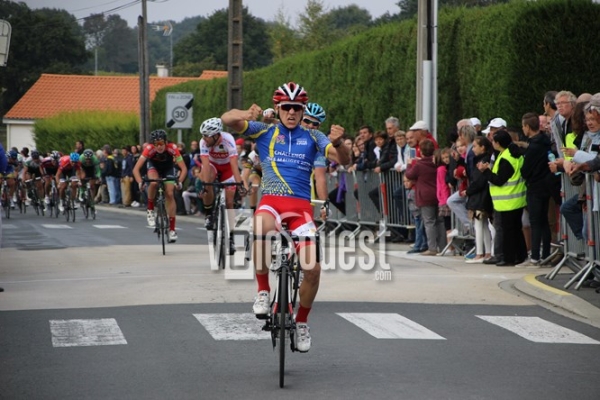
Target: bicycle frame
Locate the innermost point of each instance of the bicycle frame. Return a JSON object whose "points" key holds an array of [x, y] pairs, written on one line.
{"points": [[219, 238], [285, 265], [161, 227]]}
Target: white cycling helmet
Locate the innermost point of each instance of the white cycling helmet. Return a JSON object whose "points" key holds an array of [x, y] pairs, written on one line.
{"points": [[268, 112], [211, 127]]}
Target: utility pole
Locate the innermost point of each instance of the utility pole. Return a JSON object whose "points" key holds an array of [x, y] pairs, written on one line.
{"points": [[234, 56], [144, 70], [426, 109]]}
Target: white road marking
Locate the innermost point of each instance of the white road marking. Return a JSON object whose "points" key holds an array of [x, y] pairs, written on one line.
{"points": [[390, 326], [8, 226], [109, 226], [538, 330], [233, 326], [56, 226], [86, 332]]}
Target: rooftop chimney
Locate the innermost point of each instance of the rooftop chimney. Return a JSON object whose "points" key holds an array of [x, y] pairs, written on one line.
{"points": [[162, 71]]}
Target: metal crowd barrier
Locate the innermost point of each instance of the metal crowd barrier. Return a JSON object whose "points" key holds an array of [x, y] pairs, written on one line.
{"points": [[361, 211], [574, 250], [591, 215]]}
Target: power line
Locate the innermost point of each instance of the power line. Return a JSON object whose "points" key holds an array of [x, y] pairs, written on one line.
{"points": [[96, 6]]}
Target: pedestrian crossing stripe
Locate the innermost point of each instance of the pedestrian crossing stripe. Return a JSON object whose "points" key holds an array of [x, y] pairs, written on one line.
{"points": [[109, 226], [8, 226], [86, 332], [233, 326], [390, 326], [245, 326], [56, 226], [538, 330]]}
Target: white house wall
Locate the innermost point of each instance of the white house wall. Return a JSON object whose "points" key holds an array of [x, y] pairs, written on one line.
{"points": [[20, 134]]}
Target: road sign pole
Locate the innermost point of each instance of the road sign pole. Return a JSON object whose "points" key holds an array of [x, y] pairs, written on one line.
{"points": [[179, 136]]}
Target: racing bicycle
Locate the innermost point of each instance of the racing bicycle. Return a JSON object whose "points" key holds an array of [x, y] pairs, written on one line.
{"points": [[32, 192], [219, 238], [161, 227], [5, 198], [70, 200], [280, 320], [87, 205]]}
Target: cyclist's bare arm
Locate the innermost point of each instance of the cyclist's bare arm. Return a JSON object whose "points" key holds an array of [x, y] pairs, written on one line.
{"points": [[183, 169], [236, 119], [338, 152], [136, 169], [236, 172]]}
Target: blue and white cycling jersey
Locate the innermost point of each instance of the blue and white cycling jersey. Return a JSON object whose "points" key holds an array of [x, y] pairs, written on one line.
{"points": [[320, 160], [286, 157]]}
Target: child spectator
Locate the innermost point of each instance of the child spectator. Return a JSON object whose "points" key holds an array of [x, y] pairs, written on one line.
{"points": [[479, 202], [420, 244], [442, 160]]}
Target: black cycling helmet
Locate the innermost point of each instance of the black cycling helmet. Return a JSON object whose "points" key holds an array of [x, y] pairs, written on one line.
{"points": [[158, 134]]}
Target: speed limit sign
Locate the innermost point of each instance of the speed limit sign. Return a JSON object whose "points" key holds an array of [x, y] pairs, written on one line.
{"points": [[179, 110]]}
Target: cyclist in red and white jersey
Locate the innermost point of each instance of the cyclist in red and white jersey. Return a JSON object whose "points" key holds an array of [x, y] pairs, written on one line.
{"points": [[219, 157], [68, 167], [160, 158], [48, 168]]}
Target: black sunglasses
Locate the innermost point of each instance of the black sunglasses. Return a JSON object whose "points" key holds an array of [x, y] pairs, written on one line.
{"points": [[310, 122], [288, 107]]}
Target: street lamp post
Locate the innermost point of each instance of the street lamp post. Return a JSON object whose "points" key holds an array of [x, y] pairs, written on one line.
{"points": [[167, 30]]}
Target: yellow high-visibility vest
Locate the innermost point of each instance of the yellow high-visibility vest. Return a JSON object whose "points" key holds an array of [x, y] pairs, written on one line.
{"points": [[511, 195], [570, 143]]}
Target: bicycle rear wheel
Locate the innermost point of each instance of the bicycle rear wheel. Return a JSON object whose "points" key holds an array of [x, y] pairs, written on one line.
{"points": [[283, 305]]}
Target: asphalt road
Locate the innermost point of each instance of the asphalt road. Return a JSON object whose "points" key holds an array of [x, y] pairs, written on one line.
{"points": [[166, 352], [94, 310]]}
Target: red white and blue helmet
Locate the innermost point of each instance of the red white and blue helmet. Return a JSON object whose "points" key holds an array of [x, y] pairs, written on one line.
{"points": [[291, 92]]}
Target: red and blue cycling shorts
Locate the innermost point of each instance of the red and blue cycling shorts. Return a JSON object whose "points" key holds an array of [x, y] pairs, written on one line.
{"points": [[295, 212]]}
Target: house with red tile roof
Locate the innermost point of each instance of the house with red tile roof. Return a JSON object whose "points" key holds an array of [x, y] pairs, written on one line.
{"points": [[53, 94]]}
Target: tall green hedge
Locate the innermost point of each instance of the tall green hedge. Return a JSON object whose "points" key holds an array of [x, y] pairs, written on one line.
{"points": [[492, 61], [95, 128]]}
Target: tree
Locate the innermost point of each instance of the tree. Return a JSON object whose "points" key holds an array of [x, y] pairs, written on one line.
{"points": [[314, 27], [284, 41], [120, 46], [409, 8], [44, 40], [349, 18], [211, 37]]}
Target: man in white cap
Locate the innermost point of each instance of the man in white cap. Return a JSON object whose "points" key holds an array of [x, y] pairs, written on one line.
{"points": [[421, 131], [476, 122], [495, 125]]}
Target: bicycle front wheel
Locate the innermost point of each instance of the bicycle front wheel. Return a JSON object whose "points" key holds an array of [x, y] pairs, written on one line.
{"points": [[6, 204], [72, 207], [283, 305], [224, 238], [162, 226]]}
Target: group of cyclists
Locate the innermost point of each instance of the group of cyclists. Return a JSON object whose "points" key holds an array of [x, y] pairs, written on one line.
{"points": [[34, 171]]}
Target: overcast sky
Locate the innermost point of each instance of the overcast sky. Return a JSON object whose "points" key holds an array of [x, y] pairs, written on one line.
{"points": [[177, 10]]}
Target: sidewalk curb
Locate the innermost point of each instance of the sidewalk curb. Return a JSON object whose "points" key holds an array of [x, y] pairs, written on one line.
{"points": [[567, 301]]}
